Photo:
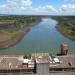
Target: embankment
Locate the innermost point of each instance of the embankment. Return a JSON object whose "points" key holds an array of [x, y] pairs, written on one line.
{"points": [[10, 42], [64, 32]]}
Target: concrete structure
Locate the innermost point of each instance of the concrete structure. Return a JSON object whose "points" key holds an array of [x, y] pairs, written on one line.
{"points": [[42, 62], [42, 68], [67, 63], [64, 49], [14, 64], [29, 62]]}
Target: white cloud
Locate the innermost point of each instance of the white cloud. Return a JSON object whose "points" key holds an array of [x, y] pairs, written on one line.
{"points": [[68, 8], [47, 8], [69, 0], [25, 7], [15, 6], [27, 3], [51, 8], [20, 3]]}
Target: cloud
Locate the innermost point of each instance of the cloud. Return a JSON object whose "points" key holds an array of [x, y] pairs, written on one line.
{"points": [[26, 3], [68, 8], [15, 6], [25, 7], [20, 3], [69, 1], [47, 8]]}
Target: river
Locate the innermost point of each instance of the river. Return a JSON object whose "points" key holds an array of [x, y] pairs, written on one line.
{"points": [[43, 37]]}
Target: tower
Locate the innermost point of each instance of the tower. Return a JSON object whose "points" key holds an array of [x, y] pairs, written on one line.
{"points": [[64, 49]]}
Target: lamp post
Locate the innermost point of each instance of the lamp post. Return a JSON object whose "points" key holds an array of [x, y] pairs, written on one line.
{"points": [[10, 66], [20, 71]]}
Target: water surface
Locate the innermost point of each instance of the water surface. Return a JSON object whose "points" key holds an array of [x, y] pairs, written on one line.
{"points": [[43, 37]]}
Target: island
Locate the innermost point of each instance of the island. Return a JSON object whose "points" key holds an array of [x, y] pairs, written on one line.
{"points": [[14, 28]]}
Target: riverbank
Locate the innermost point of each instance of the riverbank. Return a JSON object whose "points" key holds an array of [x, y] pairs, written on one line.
{"points": [[12, 41], [64, 32], [18, 36], [14, 28]]}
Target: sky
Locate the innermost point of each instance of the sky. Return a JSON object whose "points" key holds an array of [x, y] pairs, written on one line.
{"points": [[37, 7]]}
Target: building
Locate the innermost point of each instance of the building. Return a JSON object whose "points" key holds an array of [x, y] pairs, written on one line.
{"points": [[42, 62], [64, 49]]}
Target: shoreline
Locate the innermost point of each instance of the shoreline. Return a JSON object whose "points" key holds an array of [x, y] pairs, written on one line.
{"points": [[12, 41], [59, 29]]}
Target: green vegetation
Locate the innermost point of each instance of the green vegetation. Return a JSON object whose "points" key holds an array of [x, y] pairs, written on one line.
{"points": [[72, 33], [10, 25], [27, 56], [14, 23], [20, 19], [70, 28], [67, 24]]}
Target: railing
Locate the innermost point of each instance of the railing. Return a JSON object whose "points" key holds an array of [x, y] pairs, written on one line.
{"points": [[72, 69], [26, 71]]}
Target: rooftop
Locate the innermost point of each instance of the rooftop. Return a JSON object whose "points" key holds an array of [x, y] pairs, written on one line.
{"points": [[41, 57], [65, 61], [12, 62]]}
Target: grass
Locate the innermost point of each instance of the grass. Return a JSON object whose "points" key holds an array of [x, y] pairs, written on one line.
{"points": [[11, 25], [70, 28], [72, 33], [5, 35]]}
